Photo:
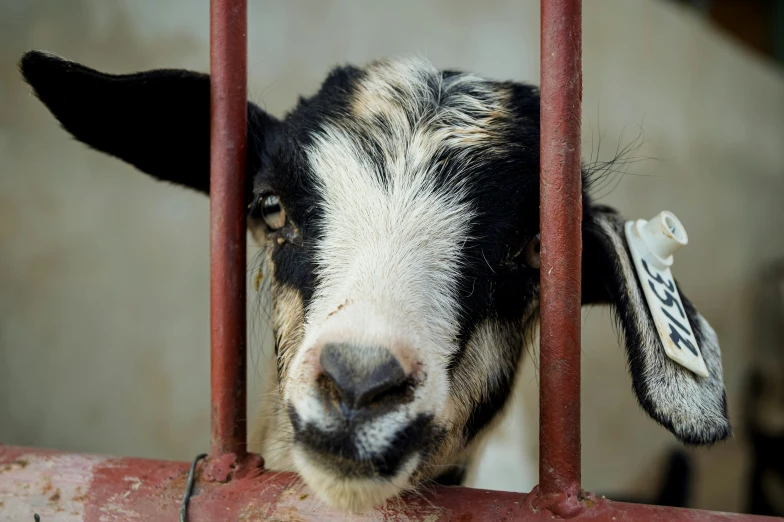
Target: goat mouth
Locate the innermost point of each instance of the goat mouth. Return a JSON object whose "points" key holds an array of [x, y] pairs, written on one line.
{"points": [[344, 452]]}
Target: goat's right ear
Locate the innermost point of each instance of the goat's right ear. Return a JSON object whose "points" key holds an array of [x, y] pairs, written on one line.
{"points": [[692, 407], [158, 121]]}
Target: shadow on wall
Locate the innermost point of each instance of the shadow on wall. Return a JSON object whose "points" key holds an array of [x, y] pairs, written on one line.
{"points": [[763, 415], [758, 24]]}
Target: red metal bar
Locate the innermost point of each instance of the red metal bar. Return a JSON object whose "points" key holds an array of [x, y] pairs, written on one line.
{"points": [[561, 249], [77, 487], [228, 143]]}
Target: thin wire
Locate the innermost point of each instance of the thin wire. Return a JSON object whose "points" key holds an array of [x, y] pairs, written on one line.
{"points": [[188, 488]]}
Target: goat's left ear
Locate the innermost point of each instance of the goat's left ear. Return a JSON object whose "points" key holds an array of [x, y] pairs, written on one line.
{"points": [[158, 121], [692, 407]]}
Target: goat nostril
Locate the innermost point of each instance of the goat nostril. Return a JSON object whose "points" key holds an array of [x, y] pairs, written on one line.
{"points": [[361, 376]]}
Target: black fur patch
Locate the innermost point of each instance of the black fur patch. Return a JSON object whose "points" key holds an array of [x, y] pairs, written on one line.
{"points": [[454, 476], [158, 121], [338, 451]]}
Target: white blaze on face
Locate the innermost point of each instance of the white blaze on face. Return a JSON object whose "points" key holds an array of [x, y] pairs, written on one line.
{"points": [[389, 259]]}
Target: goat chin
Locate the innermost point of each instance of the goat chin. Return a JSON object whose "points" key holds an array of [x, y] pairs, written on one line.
{"points": [[351, 494]]}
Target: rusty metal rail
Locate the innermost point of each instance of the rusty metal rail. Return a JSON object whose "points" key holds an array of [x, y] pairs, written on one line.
{"points": [[228, 146], [561, 254], [69, 487]]}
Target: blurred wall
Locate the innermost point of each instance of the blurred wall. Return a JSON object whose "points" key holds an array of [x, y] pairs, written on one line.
{"points": [[103, 272]]}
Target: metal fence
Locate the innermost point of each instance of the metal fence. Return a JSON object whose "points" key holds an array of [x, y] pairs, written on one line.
{"points": [[233, 485]]}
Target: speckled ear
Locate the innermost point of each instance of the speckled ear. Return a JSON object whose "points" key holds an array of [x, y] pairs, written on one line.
{"points": [[158, 121], [693, 408]]}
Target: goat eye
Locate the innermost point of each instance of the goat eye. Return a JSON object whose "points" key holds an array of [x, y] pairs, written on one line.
{"points": [[273, 214], [532, 253]]}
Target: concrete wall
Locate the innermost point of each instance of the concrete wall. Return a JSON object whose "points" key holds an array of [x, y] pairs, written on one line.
{"points": [[103, 272]]}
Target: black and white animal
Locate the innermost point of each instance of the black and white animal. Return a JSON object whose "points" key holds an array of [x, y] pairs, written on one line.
{"points": [[398, 212]]}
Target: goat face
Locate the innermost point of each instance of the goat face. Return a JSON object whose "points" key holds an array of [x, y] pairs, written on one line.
{"points": [[398, 210], [401, 202]]}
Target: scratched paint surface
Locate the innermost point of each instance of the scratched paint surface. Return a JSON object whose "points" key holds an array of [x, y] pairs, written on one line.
{"points": [[53, 485], [76, 487]]}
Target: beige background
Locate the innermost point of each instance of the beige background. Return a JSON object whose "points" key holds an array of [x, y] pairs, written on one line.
{"points": [[103, 272]]}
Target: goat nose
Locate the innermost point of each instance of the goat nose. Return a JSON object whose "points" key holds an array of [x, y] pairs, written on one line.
{"points": [[360, 375]]}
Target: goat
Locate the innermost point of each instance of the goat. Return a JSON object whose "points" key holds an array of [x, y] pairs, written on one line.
{"points": [[398, 213]]}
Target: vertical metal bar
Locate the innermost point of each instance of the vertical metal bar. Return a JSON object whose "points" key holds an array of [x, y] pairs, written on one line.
{"points": [[561, 246], [228, 143]]}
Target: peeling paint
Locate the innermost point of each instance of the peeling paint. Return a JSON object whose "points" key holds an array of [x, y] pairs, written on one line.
{"points": [[136, 482], [88, 488], [19, 463], [50, 482]]}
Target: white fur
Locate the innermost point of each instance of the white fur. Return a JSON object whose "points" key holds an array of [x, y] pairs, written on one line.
{"points": [[352, 495]]}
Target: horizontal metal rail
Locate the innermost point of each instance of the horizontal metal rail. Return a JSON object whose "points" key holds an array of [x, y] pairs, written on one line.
{"points": [[69, 487]]}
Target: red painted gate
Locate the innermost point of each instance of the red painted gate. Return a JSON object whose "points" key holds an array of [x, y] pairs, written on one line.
{"points": [[233, 485]]}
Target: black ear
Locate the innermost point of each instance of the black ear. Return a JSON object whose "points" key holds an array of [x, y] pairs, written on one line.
{"points": [[693, 408], [158, 121]]}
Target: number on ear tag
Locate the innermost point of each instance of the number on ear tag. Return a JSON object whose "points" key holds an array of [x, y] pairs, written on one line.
{"points": [[652, 244]]}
